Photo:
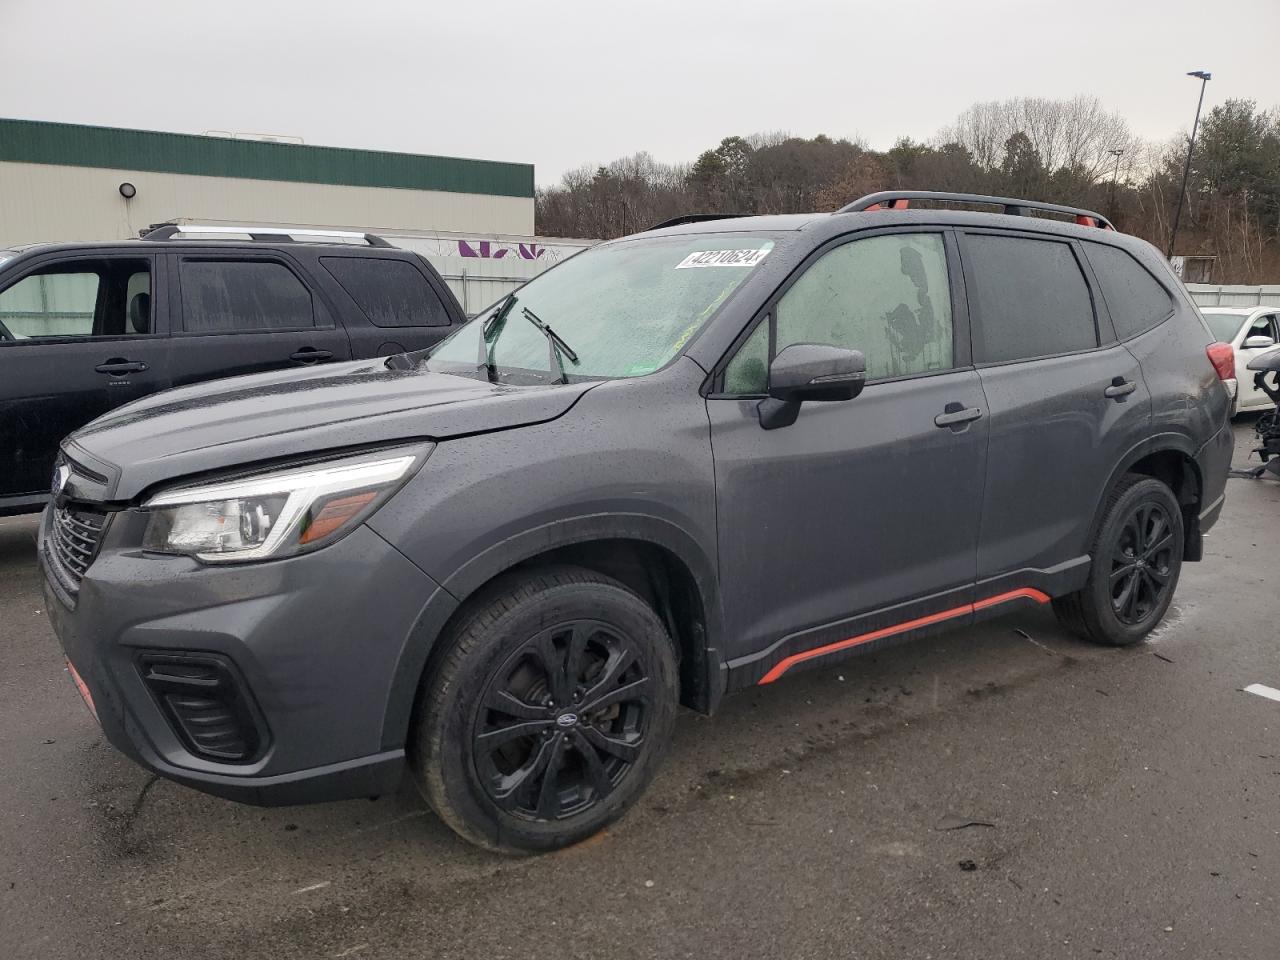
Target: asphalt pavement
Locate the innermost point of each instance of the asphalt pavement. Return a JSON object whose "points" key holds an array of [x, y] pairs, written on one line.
{"points": [[1003, 791]]}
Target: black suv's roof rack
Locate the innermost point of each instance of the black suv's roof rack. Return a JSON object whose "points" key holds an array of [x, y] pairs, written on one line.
{"points": [[900, 199], [696, 218], [187, 231]]}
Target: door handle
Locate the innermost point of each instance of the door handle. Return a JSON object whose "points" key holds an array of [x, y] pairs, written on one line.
{"points": [[955, 415], [118, 368], [310, 355], [1120, 388]]}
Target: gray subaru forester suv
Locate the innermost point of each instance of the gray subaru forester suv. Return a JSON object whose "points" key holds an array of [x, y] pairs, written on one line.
{"points": [[679, 464]]}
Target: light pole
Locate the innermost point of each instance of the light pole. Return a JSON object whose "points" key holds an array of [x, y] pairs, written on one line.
{"points": [[1204, 78], [1114, 177]]}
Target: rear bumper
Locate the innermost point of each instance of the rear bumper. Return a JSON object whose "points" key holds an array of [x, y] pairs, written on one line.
{"points": [[1213, 461], [317, 641]]}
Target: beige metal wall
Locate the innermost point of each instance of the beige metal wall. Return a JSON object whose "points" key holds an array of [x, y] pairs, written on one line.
{"points": [[49, 202]]}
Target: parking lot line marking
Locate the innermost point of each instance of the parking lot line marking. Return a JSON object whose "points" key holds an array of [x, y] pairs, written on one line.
{"points": [[1271, 693]]}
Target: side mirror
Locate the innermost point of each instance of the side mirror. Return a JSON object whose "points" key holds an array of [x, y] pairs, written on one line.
{"points": [[1259, 342], [810, 371]]}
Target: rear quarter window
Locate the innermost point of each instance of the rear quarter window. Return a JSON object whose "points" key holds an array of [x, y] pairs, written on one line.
{"points": [[1136, 301], [1030, 299], [391, 293]]}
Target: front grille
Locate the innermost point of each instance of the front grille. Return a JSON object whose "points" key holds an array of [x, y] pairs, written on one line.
{"points": [[206, 705], [72, 542]]}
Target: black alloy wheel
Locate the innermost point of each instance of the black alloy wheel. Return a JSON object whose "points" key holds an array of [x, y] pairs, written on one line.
{"points": [[1136, 558], [1141, 563], [547, 711], [562, 721]]}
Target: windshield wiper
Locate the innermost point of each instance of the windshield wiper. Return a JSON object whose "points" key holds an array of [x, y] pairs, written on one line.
{"points": [[555, 343], [489, 330]]}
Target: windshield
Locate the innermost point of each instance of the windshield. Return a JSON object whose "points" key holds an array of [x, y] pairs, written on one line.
{"points": [[624, 310], [1225, 326]]}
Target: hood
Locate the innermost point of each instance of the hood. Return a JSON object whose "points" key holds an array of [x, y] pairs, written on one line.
{"points": [[242, 420]]}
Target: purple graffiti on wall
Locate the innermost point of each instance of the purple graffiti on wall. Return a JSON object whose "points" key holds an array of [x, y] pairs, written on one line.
{"points": [[489, 250]]}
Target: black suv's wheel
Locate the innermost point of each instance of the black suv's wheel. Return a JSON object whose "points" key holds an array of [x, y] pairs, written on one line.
{"points": [[549, 713], [1136, 561]]}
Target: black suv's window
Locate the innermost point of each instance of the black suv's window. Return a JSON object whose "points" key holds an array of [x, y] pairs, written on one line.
{"points": [[226, 296], [83, 298], [888, 296], [392, 293], [1030, 296], [1136, 301]]}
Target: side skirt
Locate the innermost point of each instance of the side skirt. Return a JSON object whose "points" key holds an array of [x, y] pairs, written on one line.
{"points": [[930, 615]]}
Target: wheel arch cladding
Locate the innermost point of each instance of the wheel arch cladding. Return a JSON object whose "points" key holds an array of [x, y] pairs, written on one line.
{"points": [[662, 578], [654, 558], [1170, 460]]}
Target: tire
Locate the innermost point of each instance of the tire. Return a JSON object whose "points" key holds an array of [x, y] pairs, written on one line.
{"points": [[570, 768], [1137, 558]]}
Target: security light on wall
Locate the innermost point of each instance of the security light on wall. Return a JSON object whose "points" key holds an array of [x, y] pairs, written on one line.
{"points": [[128, 190]]}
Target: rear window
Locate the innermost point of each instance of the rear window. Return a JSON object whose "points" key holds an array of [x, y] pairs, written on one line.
{"points": [[1225, 326], [392, 293], [1136, 301], [229, 296], [1031, 299]]}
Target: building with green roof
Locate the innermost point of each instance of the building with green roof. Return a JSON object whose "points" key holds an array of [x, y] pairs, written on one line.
{"points": [[61, 181]]}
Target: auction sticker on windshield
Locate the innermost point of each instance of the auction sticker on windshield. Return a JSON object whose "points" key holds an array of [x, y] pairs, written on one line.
{"points": [[723, 258]]}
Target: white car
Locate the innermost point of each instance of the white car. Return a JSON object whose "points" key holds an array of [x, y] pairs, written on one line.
{"points": [[1250, 331]]}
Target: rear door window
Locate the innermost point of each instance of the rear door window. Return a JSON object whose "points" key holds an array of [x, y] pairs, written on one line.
{"points": [[243, 296], [392, 293], [1136, 301], [1029, 299]]}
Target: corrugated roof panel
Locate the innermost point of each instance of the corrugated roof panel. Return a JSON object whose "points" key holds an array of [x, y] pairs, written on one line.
{"points": [[33, 141]]}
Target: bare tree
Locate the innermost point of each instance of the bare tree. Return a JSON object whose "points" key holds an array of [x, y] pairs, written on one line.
{"points": [[1075, 136]]}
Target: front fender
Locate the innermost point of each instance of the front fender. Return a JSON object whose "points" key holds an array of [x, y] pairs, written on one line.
{"points": [[508, 553], [630, 461]]}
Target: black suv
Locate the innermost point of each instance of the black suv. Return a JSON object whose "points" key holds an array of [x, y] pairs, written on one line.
{"points": [[643, 479], [90, 326]]}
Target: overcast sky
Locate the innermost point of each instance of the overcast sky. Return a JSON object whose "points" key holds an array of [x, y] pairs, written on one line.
{"points": [[560, 83]]}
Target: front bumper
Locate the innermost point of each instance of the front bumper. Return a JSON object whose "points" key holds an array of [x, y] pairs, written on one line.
{"points": [[317, 640]]}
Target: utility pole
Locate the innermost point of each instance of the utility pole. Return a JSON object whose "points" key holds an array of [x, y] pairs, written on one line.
{"points": [[1204, 78], [1114, 177]]}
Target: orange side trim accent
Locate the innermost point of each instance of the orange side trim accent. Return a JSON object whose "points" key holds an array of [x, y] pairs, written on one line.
{"points": [[1023, 593], [83, 688], [782, 666]]}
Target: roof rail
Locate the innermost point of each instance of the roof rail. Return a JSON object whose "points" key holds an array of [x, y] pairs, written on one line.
{"points": [[696, 218], [900, 199], [172, 231]]}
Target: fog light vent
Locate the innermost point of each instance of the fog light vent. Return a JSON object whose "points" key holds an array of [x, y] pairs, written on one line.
{"points": [[206, 704]]}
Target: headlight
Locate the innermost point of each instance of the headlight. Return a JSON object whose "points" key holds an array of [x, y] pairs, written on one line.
{"points": [[275, 514]]}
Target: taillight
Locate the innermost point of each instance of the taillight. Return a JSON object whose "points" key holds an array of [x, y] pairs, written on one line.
{"points": [[1223, 358]]}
